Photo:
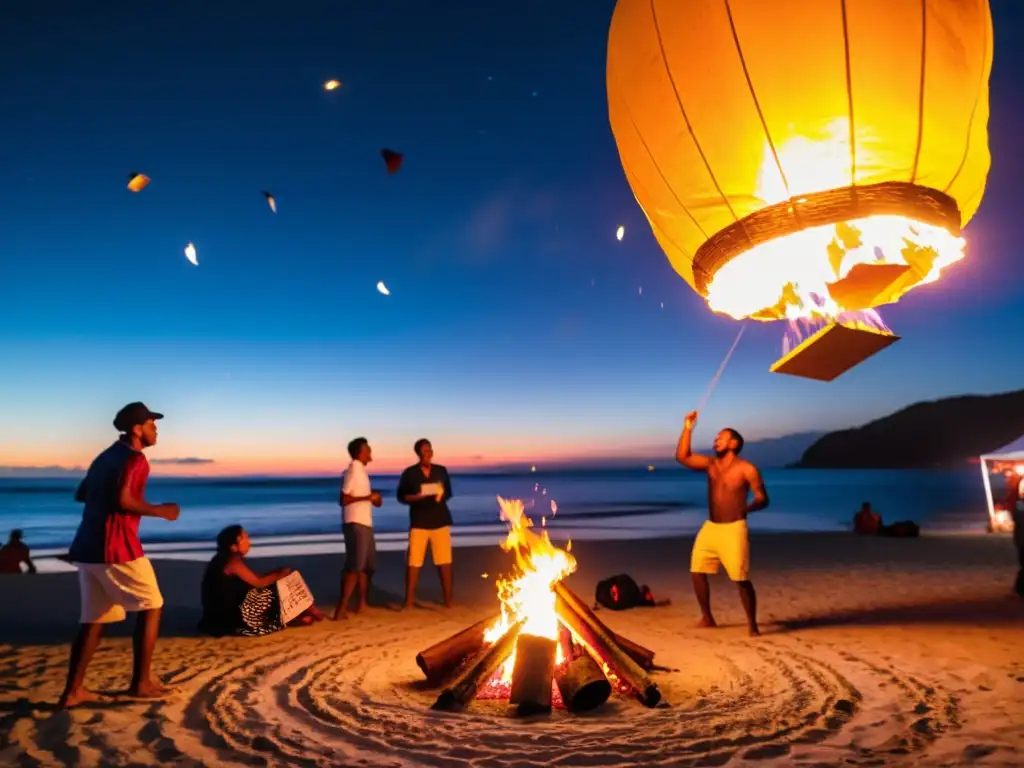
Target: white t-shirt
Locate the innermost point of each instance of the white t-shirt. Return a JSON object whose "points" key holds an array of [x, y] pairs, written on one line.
{"points": [[357, 483]]}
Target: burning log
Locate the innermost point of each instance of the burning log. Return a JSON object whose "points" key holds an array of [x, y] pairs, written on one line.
{"points": [[461, 692], [582, 684], [440, 660], [641, 655], [565, 641], [600, 643], [532, 674]]}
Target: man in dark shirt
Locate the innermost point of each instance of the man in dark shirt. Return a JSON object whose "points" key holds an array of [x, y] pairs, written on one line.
{"points": [[114, 575], [426, 488]]}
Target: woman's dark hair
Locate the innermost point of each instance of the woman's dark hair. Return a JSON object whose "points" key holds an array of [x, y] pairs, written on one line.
{"points": [[227, 538]]}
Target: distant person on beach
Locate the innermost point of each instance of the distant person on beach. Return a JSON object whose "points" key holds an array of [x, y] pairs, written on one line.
{"points": [[357, 502], [14, 553], [866, 522], [238, 601], [114, 575], [425, 487], [724, 539]]}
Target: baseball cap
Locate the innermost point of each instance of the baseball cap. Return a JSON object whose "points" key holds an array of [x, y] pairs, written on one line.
{"points": [[132, 415]]}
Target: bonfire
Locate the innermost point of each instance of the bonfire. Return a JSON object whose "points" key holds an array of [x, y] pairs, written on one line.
{"points": [[545, 648]]}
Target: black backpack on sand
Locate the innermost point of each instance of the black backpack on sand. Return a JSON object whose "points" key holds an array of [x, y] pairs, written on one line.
{"points": [[621, 592]]}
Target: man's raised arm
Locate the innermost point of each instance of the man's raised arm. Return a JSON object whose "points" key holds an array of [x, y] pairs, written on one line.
{"points": [[683, 453]]}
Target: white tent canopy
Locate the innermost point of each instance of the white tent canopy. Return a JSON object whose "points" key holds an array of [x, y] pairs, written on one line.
{"points": [[1012, 452]]}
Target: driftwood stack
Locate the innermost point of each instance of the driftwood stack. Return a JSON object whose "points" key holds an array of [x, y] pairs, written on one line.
{"points": [[463, 663]]}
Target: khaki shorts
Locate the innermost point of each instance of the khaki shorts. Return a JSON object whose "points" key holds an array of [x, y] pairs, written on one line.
{"points": [[440, 541], [110, 590], [722, 544]]}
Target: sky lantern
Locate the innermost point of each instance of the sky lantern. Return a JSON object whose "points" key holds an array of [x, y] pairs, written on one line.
{"points": [[803, 159]]}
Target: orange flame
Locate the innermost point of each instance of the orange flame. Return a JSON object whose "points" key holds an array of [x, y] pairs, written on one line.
{"points": [[527, 593]]}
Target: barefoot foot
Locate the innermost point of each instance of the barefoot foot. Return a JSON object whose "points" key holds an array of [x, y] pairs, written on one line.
{"points": [[706, 622], [754, 631], [148, 690], [71, 699]]}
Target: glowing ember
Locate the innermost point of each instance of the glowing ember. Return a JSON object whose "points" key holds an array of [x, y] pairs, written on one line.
{"points": [[789, 277], [527, 593], [1001, 521]]}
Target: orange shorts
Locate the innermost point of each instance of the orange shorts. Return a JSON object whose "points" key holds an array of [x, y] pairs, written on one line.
{"points": [[440, 541]]}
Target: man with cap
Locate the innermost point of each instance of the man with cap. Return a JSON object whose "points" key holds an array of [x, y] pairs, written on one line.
{"points": [[114, 575]]}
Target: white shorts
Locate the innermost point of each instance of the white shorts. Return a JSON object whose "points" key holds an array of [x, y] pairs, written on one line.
{"points": [[109, 590]]}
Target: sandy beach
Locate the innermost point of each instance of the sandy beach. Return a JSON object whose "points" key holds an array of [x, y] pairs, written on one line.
{"points": [[874, 652]]}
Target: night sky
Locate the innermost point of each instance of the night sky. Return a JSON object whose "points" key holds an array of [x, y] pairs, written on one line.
{"points": [[516, 328]]}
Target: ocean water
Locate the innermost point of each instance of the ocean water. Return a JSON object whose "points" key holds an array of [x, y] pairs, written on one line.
{"points": [[633, 503]]}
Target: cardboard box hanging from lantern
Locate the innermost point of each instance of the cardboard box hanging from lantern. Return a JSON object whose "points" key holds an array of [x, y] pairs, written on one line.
{"points": [[832, 351]]}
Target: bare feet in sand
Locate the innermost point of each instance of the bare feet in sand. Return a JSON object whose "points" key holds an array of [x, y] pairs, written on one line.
{"points": [[148, 690], [754, 631], [71, 699], [341, 615], [706, 622]]}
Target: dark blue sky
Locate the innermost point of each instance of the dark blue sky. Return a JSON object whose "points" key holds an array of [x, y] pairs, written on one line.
{"points": [[515, 325]]}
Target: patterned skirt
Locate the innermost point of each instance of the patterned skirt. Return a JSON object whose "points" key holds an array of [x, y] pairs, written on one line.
{"points": [[261, 612]]}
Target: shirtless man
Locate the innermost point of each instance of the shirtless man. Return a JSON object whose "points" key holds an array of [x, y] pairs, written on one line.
{"points": [[723, 539]]}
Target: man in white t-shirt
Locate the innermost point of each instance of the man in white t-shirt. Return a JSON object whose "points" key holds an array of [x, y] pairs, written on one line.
{"points": [[357, 502]]}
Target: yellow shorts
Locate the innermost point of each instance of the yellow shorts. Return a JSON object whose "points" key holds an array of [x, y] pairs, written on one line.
{"points": [[109, 590], [440, 541], [725, 544]]}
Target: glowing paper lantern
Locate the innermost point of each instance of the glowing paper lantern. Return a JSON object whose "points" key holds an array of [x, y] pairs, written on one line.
{"points": [[775, 146]]}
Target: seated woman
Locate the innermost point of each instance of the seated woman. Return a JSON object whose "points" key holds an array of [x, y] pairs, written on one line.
{"points": [[237, 601]]}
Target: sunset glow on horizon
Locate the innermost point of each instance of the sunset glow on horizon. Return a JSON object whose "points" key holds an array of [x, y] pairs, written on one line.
{"points": [[166, 460]]}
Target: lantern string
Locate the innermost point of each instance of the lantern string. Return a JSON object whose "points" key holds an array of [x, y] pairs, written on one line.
{"points": [[721, 369]]}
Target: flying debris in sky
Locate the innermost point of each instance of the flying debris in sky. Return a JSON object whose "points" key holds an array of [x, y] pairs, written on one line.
{"points": [[137, 181], [383, 288], [331, 85], [392, 159], [190, 254], [270, 201], [620, 233]]}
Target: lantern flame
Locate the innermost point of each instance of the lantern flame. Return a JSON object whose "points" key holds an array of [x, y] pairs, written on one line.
{"points": [[790, 276], [803, 327], [527, 593]]}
